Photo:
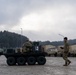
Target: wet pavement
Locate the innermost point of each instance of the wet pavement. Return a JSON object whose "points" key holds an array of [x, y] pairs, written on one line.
{"points": [[53, 66]]}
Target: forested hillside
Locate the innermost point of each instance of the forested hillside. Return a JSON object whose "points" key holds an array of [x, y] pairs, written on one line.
{"points": [[57, 43], [13, 40], [9, 39]]}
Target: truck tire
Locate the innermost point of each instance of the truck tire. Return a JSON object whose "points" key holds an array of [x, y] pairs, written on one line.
{"points": [[61, 55], [49, 55], [11, 61], [21, 61], [41, 60], [31, 61], [75, 55], [55, 54]]}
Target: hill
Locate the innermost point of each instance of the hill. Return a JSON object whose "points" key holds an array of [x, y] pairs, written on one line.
{"points": [[13, 40], [57, 43], [9, 39]]}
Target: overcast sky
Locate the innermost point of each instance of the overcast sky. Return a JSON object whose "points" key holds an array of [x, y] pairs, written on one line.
{"points": [[39, 19]]}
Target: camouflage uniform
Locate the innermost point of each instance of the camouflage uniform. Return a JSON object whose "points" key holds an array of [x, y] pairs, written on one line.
{"points": [[65, 54]]}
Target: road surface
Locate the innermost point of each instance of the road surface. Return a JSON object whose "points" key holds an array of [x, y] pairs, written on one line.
{"points": [[53, 66]]}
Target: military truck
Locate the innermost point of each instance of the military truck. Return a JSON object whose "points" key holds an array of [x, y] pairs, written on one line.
{"points": [[31, 56], [50, 50]]}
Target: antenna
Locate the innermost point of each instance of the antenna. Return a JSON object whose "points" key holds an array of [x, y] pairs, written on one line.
{"points": [[61, 35]]}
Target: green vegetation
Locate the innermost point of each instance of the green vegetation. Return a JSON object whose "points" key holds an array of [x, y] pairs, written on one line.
{"points": [[9, 39], [13, 40]]}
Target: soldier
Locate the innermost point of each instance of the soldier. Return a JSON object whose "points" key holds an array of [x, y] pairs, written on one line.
{"points": [[65, 52], [27, 46]]}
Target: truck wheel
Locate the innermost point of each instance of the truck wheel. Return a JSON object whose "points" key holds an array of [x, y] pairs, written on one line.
{"points": [[21, 61], [55, 54], [61, 55], [75, 55], [31, 61], [41, 60], [49, 55], [11, 61]]}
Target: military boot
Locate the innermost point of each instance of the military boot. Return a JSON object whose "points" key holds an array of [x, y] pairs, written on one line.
{"points": [[65, 64], [69, 62]]}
